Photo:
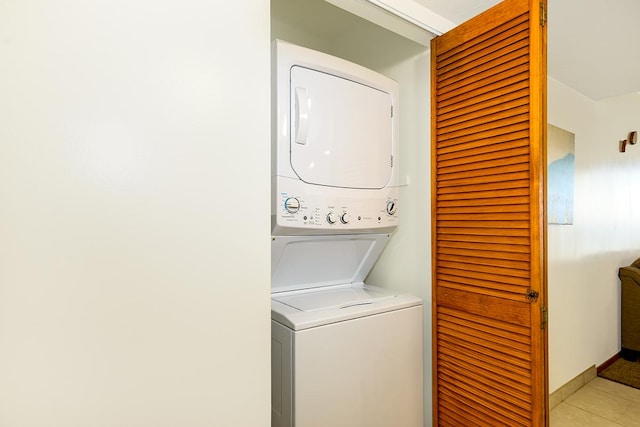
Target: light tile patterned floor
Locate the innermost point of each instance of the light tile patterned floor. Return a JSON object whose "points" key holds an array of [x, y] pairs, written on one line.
{"points": [[600, 403]]}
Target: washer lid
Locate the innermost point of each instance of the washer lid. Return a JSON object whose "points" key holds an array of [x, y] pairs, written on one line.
{"points": [[334, 297], [299, 310], [303, 262]]}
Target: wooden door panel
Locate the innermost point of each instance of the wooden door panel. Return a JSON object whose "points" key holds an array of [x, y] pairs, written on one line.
{"points": [[488, 174]]}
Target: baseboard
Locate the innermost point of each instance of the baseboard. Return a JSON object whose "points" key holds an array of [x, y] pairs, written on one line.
{"points": [[609, 362], [561, 394]]}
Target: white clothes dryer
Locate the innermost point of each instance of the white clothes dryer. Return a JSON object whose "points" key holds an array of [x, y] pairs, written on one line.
{"points": [[335, 145]]}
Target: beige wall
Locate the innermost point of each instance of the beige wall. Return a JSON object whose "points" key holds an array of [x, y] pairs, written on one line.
{"points": [[584, 290], [134, 213]]}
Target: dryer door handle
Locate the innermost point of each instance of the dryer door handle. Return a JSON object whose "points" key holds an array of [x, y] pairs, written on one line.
{"points": [[302, 115]]}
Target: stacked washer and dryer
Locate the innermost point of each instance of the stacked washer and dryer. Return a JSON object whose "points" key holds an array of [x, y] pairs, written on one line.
{"points": [[344, 353]]}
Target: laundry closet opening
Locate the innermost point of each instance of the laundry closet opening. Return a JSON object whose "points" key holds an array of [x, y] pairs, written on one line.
{"points": [[405, 264]]}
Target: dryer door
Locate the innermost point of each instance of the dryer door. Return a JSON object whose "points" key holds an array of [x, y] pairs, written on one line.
{"points": [[341, 131]]}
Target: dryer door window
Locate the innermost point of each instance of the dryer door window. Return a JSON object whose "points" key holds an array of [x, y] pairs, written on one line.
{"points": [[341, 131]]}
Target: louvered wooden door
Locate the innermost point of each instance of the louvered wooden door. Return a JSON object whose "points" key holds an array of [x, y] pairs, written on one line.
{"points": [[489, 270]]}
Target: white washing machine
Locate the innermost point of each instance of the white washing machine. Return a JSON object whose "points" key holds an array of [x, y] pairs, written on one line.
{"points": [[344, 353]]}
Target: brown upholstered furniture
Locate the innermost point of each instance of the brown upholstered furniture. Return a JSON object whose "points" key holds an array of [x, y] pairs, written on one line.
{"points": [[630, 309]]}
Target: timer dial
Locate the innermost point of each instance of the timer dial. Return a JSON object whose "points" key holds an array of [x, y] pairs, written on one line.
{"points": [[391, 207], [292, 205]]}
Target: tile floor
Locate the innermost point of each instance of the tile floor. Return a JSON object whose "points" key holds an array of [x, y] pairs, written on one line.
{"points": [[600, 403]]}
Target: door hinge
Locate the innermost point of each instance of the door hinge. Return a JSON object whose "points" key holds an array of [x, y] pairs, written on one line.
{"points": [[545, 317], [543, 14]]}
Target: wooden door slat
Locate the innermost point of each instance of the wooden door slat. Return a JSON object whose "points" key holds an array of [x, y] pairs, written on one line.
{"points": [[521, 207], [503, 289], [519, 341], [471, 118], [474, 146], [513, 176], [489, 103], [484, 243], [479, 69], [487, 385], [508, 416], [484, 138], [484, 260], [490, 361], [481, 91], [495, 183], [483, 126], [459, 104], [448, 51], [499, 76], [483, 27], [475, 275], [471, 253], [493, 166], [490, 171]]}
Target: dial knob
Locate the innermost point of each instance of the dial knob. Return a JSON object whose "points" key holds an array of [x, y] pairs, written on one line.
{"points": [[331, 218], [391, 207], [292, 205], [345, 218]]}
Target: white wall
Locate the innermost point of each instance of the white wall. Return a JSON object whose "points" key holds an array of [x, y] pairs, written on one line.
{"points": [[584, 290], [134, 213]]}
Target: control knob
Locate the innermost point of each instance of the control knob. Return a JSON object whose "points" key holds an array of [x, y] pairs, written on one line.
{"points": [[391, 207], [345, 218], [331, 218], [292, 205]]}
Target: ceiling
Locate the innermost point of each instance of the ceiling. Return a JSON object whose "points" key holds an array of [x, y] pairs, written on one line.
{"points": [[593, 46]]}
